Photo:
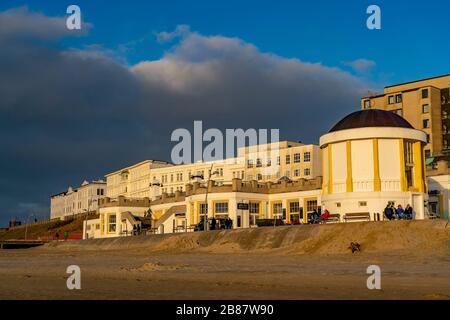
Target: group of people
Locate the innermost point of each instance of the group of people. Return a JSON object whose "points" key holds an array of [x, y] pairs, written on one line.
{"points": [[398, 213], [213, 224], [318, 218], [228, 223], [66, 235], [136, 229]]}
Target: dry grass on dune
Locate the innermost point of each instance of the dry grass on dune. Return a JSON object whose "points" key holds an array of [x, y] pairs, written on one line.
{"points": [[430, 236]]}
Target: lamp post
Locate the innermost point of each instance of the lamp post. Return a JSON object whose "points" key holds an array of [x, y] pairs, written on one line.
{"points": [[26, 226], [210, 174]]}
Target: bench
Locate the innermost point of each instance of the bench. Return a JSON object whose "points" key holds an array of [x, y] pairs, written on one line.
{"points": [[179, 229], [333, 218], [357, 216]]}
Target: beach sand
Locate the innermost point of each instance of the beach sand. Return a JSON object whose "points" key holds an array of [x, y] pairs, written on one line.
{"points": [[297, 262]]}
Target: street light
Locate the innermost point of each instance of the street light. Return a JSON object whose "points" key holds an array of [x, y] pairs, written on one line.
{"points": [[210, 173], [26, 226]]}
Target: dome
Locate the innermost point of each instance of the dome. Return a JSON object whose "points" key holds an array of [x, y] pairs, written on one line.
{"points": [[371, 118]]}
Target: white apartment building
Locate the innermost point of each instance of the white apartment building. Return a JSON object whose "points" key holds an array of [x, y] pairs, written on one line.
{"points": [[77, 201], [262, 163]]}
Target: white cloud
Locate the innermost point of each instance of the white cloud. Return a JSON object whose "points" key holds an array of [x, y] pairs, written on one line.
{"points": [[361, 66], [180, 31]]}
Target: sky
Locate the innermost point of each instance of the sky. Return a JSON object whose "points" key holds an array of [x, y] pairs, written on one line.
{"points": [[78, 104]]}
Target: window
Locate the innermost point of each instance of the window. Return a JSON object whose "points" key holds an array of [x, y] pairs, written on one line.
{"points": [[362, 203], [112, 223], [97, 226], [253, 207], [390, 99], [307, 172], [428, 138], [250, 163], [425, 108], [254, 212], [278, 160], [171, 178], [409, 163], [296, 157], [277, 209], [288, 159], [258, 163], [398, 98], [427, 153], [426, 123], [259, 176], [221, 207], [307, 156], [398, 112], [296, 173], [203, 209], [311, 205], [294, 207], [269, 162], [424, 93], [338, 204], [366, 104]]}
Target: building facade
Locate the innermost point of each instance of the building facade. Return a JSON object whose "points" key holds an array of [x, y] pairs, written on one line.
{"points": [[425, 104], [268, 162], [77, 201], [242, 202], [372, 158]]}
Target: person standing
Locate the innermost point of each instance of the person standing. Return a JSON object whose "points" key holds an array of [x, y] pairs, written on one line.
{"points": [[213, 223], [66, 235]]}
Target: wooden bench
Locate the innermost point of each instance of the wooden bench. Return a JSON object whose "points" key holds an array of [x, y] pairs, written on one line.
{"points": [[179, 229], [333, 218], [357, 216]]}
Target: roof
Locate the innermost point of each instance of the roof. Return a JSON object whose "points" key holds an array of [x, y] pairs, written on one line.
{"points": [[371, 118], [137, 165], [424, 79]]}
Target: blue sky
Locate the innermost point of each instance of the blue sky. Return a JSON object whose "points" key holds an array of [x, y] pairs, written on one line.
{"points": [[413, 43]]}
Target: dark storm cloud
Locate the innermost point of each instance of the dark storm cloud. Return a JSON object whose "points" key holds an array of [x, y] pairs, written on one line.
{"points": [[67, 115]]}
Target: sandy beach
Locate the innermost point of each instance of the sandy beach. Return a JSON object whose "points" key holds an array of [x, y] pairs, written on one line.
{"points": [[298, 262]]}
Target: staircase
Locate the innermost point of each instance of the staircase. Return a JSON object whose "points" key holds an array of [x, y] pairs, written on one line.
{"points": [[169, 213]]}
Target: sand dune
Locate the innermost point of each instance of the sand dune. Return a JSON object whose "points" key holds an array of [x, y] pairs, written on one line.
{"points": [[429, 237]]}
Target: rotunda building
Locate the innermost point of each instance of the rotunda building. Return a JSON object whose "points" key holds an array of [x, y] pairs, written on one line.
{"points": [[371, 158]]}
